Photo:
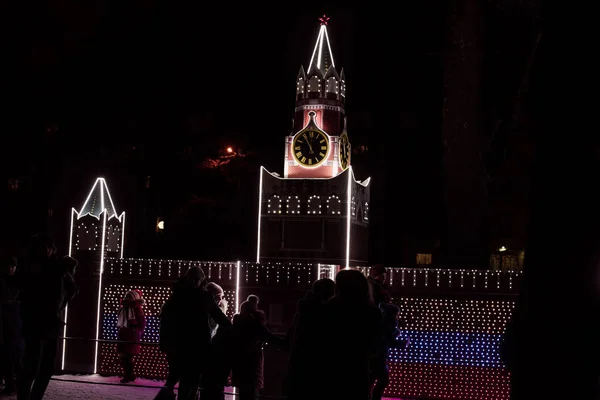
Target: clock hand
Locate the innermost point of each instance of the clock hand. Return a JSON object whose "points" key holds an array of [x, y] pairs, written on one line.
{"points": [[310, 147]]}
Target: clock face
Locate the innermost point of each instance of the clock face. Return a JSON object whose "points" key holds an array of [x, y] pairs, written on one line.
{"points": [[311, 148], [345, 151]]}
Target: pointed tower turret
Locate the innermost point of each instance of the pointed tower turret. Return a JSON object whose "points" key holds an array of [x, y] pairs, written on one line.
{"points": [[97, 201], [97, 232], [319, 88], [317, 210], [332, 84], [301, 84], [97, 226], [322, 56]]}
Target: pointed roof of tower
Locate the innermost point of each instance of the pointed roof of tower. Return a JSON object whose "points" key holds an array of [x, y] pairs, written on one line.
{"points": [[301, 73], [322, 56], [97, 201]]}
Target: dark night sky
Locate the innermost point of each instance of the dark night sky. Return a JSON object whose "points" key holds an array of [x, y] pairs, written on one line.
{"points": [[145, 70], [159, 77]]}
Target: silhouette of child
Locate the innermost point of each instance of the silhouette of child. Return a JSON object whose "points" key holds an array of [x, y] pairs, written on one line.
{"points": [[131, 323]]}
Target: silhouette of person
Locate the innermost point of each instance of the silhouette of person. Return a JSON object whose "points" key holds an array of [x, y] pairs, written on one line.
{"points": [[390, 332], [47, 287], [131, 323], [377, 283], [354, 325], [215, 377], [305, 375], [189, 340], [11, 353], [249, 334]]}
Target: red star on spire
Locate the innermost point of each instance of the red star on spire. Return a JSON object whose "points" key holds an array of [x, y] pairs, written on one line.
{"points": [[324, 19]]}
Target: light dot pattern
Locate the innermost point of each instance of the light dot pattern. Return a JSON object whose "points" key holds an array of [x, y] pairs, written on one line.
{"points": [[223, 273], [430, 281], [274, 205], [448, 382], [287, 276], [150, 363], [453, 325], [334, 205], [407, 280], [450, 348], [87, 235], [454, 349], [293, 205], [455, 315], [314, 205]]}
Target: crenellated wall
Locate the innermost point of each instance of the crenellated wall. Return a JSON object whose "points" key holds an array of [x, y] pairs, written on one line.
{"points": [[309, 219], [453, 318]]}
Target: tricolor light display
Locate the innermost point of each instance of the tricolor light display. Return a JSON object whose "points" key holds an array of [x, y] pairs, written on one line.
{"points": [[454, 349], [453, 318]]}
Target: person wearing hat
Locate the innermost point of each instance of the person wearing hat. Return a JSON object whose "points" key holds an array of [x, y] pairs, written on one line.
{"points": [[131, 323], [377, 285]]}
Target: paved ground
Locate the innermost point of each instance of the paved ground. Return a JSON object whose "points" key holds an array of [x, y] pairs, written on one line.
{"points": [[95, 387]]}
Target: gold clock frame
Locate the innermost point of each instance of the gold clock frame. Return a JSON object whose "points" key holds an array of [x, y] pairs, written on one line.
{"points": [[328, 144], [344, 134]]}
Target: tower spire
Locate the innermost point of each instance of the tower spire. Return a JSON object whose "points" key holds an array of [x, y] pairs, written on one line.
{"points": [[98, 201], [322, 56]]}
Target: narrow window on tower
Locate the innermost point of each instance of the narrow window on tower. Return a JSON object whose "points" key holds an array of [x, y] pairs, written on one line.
{"points": [[300, 87], [274, 205], [314, 205], [334, 205], [293, 205], [332, 86], [314, 87]]}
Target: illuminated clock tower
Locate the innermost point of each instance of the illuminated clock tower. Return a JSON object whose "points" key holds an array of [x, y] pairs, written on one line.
{"points": [[317, 211]]}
